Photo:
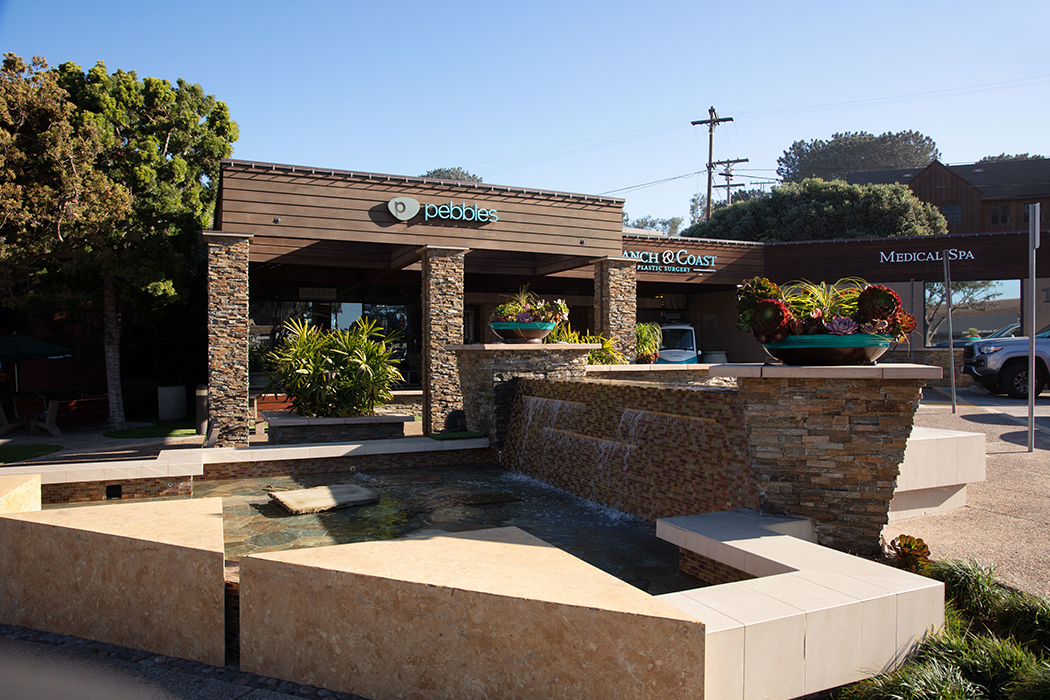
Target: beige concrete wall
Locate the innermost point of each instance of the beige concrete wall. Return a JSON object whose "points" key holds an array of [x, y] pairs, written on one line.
{"points": [[19, 493], [144, 575], [489, 614]]}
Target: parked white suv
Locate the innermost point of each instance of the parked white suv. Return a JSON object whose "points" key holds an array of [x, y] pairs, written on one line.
{"points": [[1001, 364]]}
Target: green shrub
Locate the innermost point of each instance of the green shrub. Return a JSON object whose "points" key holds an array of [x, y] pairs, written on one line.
{"points": [[990, 662], [647, 337], [970, 586], [335, 373], [931, 680], [607, 354], [1034, 686]]}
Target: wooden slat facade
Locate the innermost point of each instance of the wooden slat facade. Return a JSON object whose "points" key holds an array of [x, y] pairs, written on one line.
{"points": [[306, 218], [987, 256]]}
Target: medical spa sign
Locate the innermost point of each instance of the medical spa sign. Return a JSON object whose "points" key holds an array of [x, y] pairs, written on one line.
{"points": [[406, 209], [950, 254], [671, 261]]}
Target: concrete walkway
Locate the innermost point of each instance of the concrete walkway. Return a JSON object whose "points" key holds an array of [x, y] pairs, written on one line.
{"points": [[1006, 522]]}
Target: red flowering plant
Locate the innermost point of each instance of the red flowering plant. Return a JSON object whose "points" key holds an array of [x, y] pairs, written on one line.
{"points": [[849, 306]]}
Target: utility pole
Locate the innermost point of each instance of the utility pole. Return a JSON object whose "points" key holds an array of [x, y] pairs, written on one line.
{"points": [[712, 121], [728, 175]]}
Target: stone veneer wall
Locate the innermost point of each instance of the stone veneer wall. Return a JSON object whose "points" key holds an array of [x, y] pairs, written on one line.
{"points": [[347, 432], [228, 336], [708, 571], [935, 357], [616, 302], [829, 450], [654, 452], [488, 376], [335, 465], [87, 491], [442, 326]]}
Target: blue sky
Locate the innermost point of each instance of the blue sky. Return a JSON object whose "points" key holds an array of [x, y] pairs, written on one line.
{"points": [[584, 97]]}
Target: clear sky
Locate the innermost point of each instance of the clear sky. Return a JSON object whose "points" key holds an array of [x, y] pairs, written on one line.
{"points": [[586, 97]]}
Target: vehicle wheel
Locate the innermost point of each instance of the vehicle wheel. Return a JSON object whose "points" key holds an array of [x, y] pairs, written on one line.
{"points": [[1015, 381]]}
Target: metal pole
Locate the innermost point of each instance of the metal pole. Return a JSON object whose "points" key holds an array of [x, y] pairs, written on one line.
{"points": [[1033, 243], [911, 346], [951, 341]]}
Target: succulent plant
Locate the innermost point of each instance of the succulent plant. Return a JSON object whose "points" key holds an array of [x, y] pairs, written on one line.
{"points": [[750, 293], [840, 325], [770, 315], [879, 327], [877, 302], [902, 324]]}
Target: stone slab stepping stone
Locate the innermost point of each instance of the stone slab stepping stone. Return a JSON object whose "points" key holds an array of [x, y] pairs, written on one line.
{"points": [[322, 498]]}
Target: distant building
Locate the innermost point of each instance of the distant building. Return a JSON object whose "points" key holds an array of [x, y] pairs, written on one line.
{"points": [[975, 198]]}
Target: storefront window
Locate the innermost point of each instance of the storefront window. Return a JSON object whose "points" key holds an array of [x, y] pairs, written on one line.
{"points": [[980, 309]]}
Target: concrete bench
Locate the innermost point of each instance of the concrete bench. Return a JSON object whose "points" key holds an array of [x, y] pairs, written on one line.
{"points": [[814, 618], [89, 410]]}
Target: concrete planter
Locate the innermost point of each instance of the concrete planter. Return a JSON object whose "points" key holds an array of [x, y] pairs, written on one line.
{"points": [[286, 428]]}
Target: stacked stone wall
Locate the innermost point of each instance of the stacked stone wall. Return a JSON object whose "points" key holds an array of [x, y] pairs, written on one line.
{"points": [[489, 379], [228, 336], [442, 326], [347, 432], [616, 302], [654, 452], [829, 450]]}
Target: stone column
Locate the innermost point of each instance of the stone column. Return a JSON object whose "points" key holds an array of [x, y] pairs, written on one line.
{"points": [[616, 302], [489, 374], [826, 443], [228, 408], [442, 326]]}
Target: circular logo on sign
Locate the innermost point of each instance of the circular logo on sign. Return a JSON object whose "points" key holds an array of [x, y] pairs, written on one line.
{"points": [[403, 208], [668, 256]]}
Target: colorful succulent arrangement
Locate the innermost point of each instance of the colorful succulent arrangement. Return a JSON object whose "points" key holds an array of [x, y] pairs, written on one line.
{"points": [[851, 305], [526, 307]]}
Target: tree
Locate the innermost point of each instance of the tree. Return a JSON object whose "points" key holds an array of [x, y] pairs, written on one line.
{"points": [[51, 193], [855, 152], [163, 143], [815, 210], [457, 174], [1006, 157], [668, 227], [970, 295]]}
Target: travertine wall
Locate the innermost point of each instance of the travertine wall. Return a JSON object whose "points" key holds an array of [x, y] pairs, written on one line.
{"points": [[489, 377], [228, 336], [616, 302], [19, 493], [143, 575], [654, 452], [442, 326], [494, 613], [829, 449]]}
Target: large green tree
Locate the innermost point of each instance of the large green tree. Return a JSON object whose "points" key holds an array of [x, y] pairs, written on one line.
{"points": [[668, 227], [1008, 157], [163, 143], [816, 210], [51, 192], [855, 152], [458, 174]]}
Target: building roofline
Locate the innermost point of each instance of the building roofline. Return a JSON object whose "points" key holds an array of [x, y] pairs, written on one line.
{"points": [[939, 237], [228, 163]]}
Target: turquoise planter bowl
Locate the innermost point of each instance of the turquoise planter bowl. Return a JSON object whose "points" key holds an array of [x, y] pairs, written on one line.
{"points": [[513, 332], [852, 349]]}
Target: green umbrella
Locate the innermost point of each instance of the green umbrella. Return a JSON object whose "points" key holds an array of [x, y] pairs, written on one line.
{"points": [[15, 348]]}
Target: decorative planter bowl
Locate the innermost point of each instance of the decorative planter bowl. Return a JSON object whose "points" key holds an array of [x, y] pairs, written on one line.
{"points": [[852, 349], [513, 332]]}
